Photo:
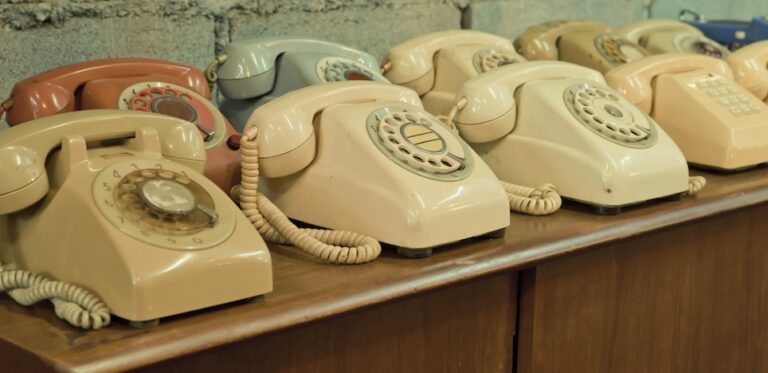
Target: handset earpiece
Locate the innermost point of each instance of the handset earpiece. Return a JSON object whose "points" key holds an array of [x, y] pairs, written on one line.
{"points": [[638, 31], [489, 111], [24, 180], [286, 138], [634, 79], [411, 63], [750, 68]]}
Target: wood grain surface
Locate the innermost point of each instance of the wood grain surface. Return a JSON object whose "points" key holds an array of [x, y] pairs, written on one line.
{"points": [[691, 298], [464, 328], [307, 291]]}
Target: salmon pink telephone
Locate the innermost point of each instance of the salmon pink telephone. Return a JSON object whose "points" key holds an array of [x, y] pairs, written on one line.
{"points": [[135, 84]]}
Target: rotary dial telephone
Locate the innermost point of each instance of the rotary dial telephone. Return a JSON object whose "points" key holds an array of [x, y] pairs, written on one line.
{"points": [[369, 149], [668, 36], [437, 64], [587, 43], [252, 72], [551, 121], [152, 237], [133, 84]]}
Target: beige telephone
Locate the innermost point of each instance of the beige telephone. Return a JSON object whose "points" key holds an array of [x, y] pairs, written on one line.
{"points": [[716, 122], [586, 43], [115, 201], [670, 36], [435, 65], [364, 156], [551, 121], [750, 68]]}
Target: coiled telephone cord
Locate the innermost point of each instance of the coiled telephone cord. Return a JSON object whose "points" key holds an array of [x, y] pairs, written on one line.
{"points": [[695, 184], [211, 74], [78, 306], [339, 247]]}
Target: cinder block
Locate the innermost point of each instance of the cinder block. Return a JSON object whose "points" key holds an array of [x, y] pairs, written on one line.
{"points": [[745, 10], [369, 26], [511, 18]]}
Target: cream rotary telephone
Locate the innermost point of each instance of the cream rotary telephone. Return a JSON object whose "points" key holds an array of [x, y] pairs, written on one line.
{"points": [[669, 36], [717, 123], [252, 72], [365, 157], [750, 68], [586, 43], [115, 201], [435, 65], [550, 121]]}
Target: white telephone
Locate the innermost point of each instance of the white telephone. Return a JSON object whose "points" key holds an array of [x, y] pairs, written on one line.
{"points": [[551, 121], [365, 156]]}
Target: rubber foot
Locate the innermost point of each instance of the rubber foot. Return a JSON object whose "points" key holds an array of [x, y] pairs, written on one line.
{"points": [[606, 210], [499, 233], [144, 324], [414, 253]]}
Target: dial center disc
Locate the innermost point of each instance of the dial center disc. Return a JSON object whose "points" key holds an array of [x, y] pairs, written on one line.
{"points": [[168, 196], [613, 111], [175, 107]]}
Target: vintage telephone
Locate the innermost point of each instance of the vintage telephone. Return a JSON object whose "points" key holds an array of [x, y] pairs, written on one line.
{"points": [[733, 33], [587, 43], [135, 84], [252, 72], [365, 156], [750, 68], [717, 123], [436, 65], [669, 36], [115, 201], [551, 121]]}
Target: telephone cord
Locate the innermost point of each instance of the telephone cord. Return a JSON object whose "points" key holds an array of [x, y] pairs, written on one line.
{"points": [[695, 184], [210, 72], [78, 306], [533, 201], [339, 247]]}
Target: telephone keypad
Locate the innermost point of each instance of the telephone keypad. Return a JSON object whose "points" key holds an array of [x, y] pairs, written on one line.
{"points": [[727, 95]]}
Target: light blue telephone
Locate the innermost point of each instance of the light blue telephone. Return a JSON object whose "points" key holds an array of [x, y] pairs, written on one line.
{"points": [[252, 72]]}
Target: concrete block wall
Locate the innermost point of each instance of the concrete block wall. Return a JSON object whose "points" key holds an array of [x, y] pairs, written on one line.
{"points": [[37, 35]]}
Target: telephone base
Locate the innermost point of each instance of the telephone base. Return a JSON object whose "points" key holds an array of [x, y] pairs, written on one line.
{"points": [[144, 324], [414, 253], [492, 235]]}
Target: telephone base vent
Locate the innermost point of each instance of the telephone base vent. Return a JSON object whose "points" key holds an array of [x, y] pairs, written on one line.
{"points": [[414, 253]]}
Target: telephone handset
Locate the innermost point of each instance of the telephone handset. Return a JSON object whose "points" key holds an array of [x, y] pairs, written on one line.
{"points": [[142, 207], [586, 43], [135, 84], [252, 72], [750, 68], [551, 121], [669, 36], [369, 149], [437, 64], [716, 122]]}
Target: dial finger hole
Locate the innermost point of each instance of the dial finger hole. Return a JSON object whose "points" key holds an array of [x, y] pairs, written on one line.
{"points": [[404, 150], [388, 130], [418, 158], [610, 127], [393, 140]]}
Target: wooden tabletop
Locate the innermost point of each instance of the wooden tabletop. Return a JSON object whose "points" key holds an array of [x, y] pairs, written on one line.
{"points": [[307, 290]]}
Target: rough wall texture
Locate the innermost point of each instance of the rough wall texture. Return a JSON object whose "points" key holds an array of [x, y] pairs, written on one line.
{"points": [[37, 35]]}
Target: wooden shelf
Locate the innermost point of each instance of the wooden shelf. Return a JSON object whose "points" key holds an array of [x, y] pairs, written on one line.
{"points": [[307, 291]]}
